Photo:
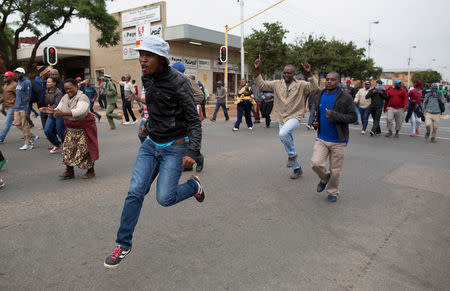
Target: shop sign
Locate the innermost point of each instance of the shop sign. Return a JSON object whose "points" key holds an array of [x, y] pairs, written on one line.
{"points": [[129, 36], [190, 63], [148, 15], [129, 52], [204, 64]]}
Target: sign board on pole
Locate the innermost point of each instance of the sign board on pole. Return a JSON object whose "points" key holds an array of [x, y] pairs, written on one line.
{"points": [[133, 18]]}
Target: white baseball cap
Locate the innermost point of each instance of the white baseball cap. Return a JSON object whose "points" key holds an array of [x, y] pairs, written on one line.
{"points": [[20, 70], [156, 45], [107, 76]]}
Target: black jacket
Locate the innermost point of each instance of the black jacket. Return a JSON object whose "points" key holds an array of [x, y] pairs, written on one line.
{"points": [[171, 110], [343, 113], [377, 98], [38, 93]]}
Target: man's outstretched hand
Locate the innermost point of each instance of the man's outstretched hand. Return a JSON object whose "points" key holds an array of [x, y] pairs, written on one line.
{"points": [[307, 67], [258, 65]]}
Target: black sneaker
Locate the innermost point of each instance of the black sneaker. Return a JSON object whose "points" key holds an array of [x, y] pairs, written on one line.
{"points": [[117, 255], [332, 198], [200, 195], [321, 186], [199, 166], [291, 161], [297, 173]]}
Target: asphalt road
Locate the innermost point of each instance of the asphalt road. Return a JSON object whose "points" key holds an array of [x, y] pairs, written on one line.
{"points": [[256, 230]]}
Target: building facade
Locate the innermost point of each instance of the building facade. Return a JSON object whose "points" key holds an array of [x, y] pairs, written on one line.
{"points": [[196, 47]]}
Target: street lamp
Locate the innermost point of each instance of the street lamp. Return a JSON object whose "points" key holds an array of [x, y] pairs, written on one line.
{"points": [[409, 63], [370, 41]]}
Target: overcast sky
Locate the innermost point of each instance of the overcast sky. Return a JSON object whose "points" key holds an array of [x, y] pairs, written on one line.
{"points": [[425, 24]]}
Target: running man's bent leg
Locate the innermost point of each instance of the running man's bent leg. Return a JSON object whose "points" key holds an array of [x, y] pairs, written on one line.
{"points": [[319, 160], [286, 134], [168, 192], [145, 171]]}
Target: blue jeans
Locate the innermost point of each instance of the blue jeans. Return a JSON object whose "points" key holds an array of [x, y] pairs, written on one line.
{"points": [[8, 122], [152, 160], [365, 112], [312, 112], [286, 131], [91, 107], [357, 113], [50, 125], [244, 108], [225, 112], [142, 137]]}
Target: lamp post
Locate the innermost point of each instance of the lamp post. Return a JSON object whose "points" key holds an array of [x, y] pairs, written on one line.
{"points": [[409, 63], [370, 40]]}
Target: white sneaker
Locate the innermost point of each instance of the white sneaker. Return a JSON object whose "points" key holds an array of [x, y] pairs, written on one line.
{"points": [[235, 129], [54, 150], [126, 123], [26, 147], [308, 127], [250, 128], [134, 122]]}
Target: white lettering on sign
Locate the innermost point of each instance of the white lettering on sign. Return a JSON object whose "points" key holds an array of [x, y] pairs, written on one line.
{"points": [[129, 52], [204, 64], [190, 63], [133, 18], [129, 36]]}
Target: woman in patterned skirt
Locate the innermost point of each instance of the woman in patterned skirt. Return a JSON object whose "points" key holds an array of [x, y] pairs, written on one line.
{"points": [[80, 147]]}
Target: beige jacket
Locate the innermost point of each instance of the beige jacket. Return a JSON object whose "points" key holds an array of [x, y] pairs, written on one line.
{"points": [[78, 105], [290, 103], [361, 100]]}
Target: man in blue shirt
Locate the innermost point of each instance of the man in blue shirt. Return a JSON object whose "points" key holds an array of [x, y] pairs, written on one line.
{"points": [[334, 111], [23, 94]]}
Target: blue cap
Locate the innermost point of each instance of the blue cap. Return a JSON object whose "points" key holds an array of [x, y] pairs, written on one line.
{"points": [[199, 83], [397, 82], [155, 45], [179, 67]]}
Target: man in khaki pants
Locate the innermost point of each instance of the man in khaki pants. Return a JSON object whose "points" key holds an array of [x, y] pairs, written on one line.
{"points": [[334, 111], [21, 109]]}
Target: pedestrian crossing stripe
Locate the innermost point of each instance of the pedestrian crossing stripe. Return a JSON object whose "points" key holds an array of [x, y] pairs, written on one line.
{"points": [[447, 116]]}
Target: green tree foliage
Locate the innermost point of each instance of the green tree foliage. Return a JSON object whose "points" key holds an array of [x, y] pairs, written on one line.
{"points": [[269, 43], [335, 55], [427, 77], [43, 18]]}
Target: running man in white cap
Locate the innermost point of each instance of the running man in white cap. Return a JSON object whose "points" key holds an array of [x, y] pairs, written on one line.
{"points": [[173, 142]]}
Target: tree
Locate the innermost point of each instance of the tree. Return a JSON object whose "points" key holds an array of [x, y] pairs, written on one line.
{"points": [[270, 45], [335, 55], [427, 77], [43, 18]]}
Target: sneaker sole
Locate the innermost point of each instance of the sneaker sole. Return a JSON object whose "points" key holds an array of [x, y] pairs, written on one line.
{"points": [[111, 266]]}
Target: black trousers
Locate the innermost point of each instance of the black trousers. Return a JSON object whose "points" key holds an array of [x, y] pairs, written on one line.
{"points": [[126, 108], [266, 109], [102, 101], [376, 115], [203, 105]]}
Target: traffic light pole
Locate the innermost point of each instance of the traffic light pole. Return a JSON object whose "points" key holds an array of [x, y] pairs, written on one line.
{"points": [[227, 29]]}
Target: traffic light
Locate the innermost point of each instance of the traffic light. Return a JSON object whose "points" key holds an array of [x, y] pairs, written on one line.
{"points": [[223, 54], [50, 56]]}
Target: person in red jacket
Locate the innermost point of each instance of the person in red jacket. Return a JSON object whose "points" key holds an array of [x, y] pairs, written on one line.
{"points": [[396, 107]]}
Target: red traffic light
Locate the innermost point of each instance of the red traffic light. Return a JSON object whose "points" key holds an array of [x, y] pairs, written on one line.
{"points": [[52, 50]]}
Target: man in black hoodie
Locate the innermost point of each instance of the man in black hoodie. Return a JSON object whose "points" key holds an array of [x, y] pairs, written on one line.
{"points": [[334, 111], [173, 143], [379, 96]]}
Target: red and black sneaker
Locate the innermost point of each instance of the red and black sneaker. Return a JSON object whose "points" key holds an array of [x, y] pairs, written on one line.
{"points": [[200, 195], [117, 255]]}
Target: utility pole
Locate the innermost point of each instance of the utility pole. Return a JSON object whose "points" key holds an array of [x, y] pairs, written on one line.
{"points": [[241, 3], [227, 29], [409, 63], [370, 40]]}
